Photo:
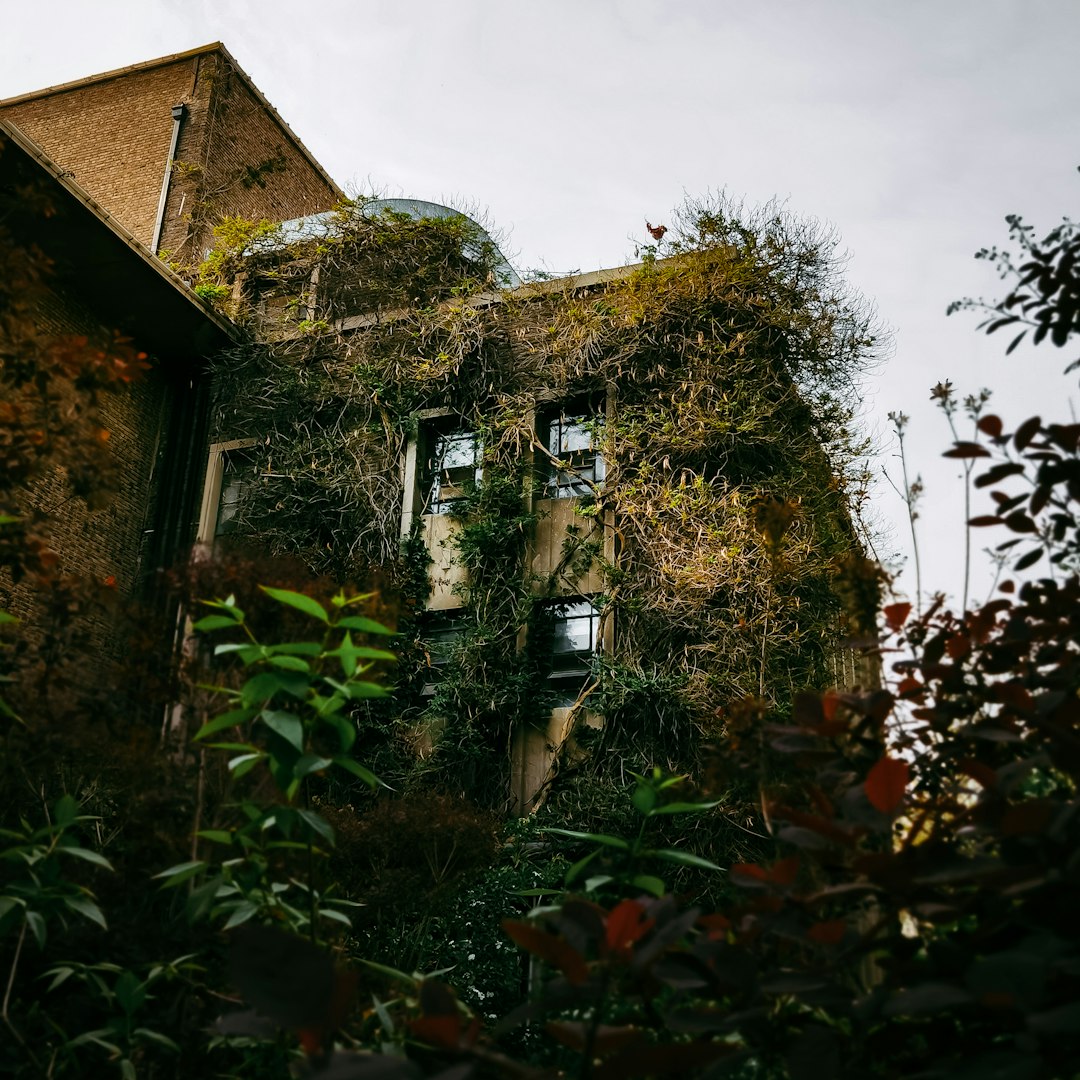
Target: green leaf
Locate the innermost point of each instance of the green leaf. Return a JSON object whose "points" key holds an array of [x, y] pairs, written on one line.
{"points": [[310, 763], [216, 836], [644, 798], [86, 855], [7, 617], [10, 903], [37, 927], [246, 653], [86, 908], [232, 718], [156, 1037], [202, 898], [241, 913], [597, 838], [60, 976], [408, 980], [367, 626], [95, 1038], [241, 766], [65, 812], [683, 808], [294, 648], [178, 873], [297, 600], [262, 687], [345, 729], [130, 992], [318, 825], [573, 873], [351, 765], [337, 916], [290, 663], [682, 858], [649, 884], [213, 622], [286, 724], [227, 607]]}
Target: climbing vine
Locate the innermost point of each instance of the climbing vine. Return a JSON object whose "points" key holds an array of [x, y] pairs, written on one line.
{"points": [[725, 364]]}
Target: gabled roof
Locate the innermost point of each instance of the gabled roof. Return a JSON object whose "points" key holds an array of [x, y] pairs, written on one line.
{"points": [[172, 58], [99, 261]]}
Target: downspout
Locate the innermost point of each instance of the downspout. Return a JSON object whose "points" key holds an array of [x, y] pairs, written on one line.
{"points": [[178, 112]]}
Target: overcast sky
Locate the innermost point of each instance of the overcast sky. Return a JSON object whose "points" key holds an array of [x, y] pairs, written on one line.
{"points": [[912, 127]]}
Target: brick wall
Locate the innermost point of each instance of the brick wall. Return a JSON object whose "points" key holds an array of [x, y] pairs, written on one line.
{"points": [[112, 136], [235, 157], [236, 160], [105, 543]]}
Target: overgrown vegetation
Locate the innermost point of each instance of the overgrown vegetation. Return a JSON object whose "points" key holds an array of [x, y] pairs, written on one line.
{"points": [[721, 374], [898, 866]]}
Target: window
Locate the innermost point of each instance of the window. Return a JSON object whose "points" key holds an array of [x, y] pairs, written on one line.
{"points": [[441, 641], [230, 471], [453, 469], [574, 645], [237, 476], [570, 439]]}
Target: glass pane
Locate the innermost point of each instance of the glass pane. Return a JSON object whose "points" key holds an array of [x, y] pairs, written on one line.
{"points": [[455, 467], [570, 439], [237, 475], [575, 628]]}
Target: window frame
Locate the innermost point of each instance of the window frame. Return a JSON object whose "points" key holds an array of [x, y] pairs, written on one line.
{"points": [[210, 508], [588, 469], [573, 666], [429, 472]]}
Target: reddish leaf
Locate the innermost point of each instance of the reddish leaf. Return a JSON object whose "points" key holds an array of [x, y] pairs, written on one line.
{"points": [[990, 425], [828, 933], [441, 1031], [979, 771], [1019, 522], [785, 871], [717, 926], [1030, 559], [966, 450], [829, 702], [678, 1059], [1026, 432], [755, 874], [1027, 818], [625, 925], [984, 520], [886, 783], [896, 615], [552, 950], [572, 1033]]}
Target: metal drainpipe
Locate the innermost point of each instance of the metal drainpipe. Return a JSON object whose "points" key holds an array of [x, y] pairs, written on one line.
{"points": [[178, 113]]}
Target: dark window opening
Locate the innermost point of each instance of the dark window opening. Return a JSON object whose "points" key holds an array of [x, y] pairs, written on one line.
{"points": [[441, 640], [237, 477], [574, 647]]}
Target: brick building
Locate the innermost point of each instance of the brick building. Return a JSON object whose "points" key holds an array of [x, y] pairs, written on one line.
{"points": [[138, 162], [170, 146], [634, 418]]}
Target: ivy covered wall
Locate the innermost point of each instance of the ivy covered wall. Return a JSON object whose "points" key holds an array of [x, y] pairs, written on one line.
{"points": [[715, 380]]}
